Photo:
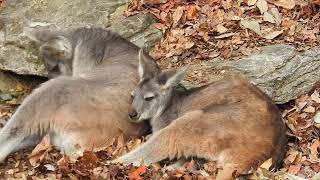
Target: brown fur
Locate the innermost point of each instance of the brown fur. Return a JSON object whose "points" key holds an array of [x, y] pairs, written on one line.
{"points": [[229, 121]]}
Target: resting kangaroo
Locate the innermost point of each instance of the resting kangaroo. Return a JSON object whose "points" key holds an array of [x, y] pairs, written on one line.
{"points": [[229, 121], [84, 111]]}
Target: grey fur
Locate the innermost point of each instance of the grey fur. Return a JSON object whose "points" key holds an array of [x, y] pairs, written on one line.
{"points": [[84, 111]]}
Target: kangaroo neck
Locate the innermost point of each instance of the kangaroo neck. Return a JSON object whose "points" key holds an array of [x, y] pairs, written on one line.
{"points": [[170, 113]]}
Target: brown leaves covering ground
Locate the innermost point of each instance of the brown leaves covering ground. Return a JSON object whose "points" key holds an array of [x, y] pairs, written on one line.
{"points": [[196, 30]]}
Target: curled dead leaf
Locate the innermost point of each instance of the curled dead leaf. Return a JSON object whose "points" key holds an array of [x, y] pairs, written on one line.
{"points": [[135, 174], [268, 18], [176, 16], [192, 12], [221, 29], [287, 4], [40, 151], [252, 25], [251, 2], [273, 34], [262, 5]]}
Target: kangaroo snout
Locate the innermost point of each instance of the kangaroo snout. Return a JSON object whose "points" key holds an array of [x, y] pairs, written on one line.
{"points": [[133, 115]]}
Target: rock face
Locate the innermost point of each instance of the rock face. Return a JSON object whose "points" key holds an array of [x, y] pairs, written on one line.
{"points": [[18, 54], [279, 70]]}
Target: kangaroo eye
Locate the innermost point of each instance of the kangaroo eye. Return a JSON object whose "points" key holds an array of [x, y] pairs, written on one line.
{"points": [[149, 98]]}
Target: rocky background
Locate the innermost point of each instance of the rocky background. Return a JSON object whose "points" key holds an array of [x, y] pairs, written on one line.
{"points": [[275, 44]]}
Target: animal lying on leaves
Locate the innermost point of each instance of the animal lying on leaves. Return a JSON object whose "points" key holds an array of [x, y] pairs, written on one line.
{"points": [[229, 121], [85, 111]]}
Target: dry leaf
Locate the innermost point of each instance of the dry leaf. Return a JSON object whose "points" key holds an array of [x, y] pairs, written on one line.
{"points": [[135, 174], [275, 13], [267, 164], [89, 158], [221, 29], [176, 16], [224, 35], [153, 2], [252, 2], [294, 169], [63, 164], [287, 4], [252, 25], [268, 17], [273, 34], [317, 118], [192, 12], [314, 147], [309, 109], [315, 97], [40, 151], [262, 5]]}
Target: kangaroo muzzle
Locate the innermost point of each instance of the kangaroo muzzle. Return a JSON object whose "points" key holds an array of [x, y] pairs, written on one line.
{"points": [[133, 115]]}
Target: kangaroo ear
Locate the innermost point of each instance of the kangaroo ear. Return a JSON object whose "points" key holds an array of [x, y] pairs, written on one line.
{"points": [[58, 48], [147, 66], [172, 78]]}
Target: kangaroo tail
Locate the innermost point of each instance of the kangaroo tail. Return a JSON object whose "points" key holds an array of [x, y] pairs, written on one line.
{"points": [[280, 148], [33, 118]]}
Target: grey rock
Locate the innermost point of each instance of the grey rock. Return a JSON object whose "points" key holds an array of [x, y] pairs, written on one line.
{"points": [[5, 96], [18, 54], [279, 70]]}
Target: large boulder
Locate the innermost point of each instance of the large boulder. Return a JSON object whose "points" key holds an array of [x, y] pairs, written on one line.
{"points": [[18, 54], [279, 70]]}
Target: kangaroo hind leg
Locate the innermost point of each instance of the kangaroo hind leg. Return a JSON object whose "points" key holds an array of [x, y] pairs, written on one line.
{"points": [[174, 141]]}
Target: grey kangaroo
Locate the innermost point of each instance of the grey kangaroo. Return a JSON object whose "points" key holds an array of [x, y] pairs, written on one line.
{"points": [[86, 106], [229, 121]]}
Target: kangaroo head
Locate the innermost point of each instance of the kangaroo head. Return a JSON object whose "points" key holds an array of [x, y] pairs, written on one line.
{"points": [[154, 90], [55, 49]]}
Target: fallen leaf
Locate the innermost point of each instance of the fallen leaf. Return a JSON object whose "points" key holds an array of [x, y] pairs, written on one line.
{"points": [[262, 5], [287, 4], [176, 16], [309, 109], [252, 25], [275, 13], [317, 118], [135, 174], [192, 12], [267, 164], [294, 169], [40, 151], [251, 2], [314, 147], [153, 2], [224, 35], [221, 29], [315, 97], [273, 34], [63, 164], [89, 158], [268, 17]]}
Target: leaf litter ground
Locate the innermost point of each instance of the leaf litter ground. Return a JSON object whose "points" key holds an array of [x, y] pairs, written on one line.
{"points": [[196, 31]]}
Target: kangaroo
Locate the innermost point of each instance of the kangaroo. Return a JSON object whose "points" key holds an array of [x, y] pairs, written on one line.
{"points": [[229, 121], [85, 107]]}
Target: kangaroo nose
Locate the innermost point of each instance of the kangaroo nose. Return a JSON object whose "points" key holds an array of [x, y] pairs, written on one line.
{"points": [[133, 114]]}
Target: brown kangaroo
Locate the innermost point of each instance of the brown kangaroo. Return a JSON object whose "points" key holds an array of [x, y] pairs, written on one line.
{"points": [[86, 108], [229, 121]]}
